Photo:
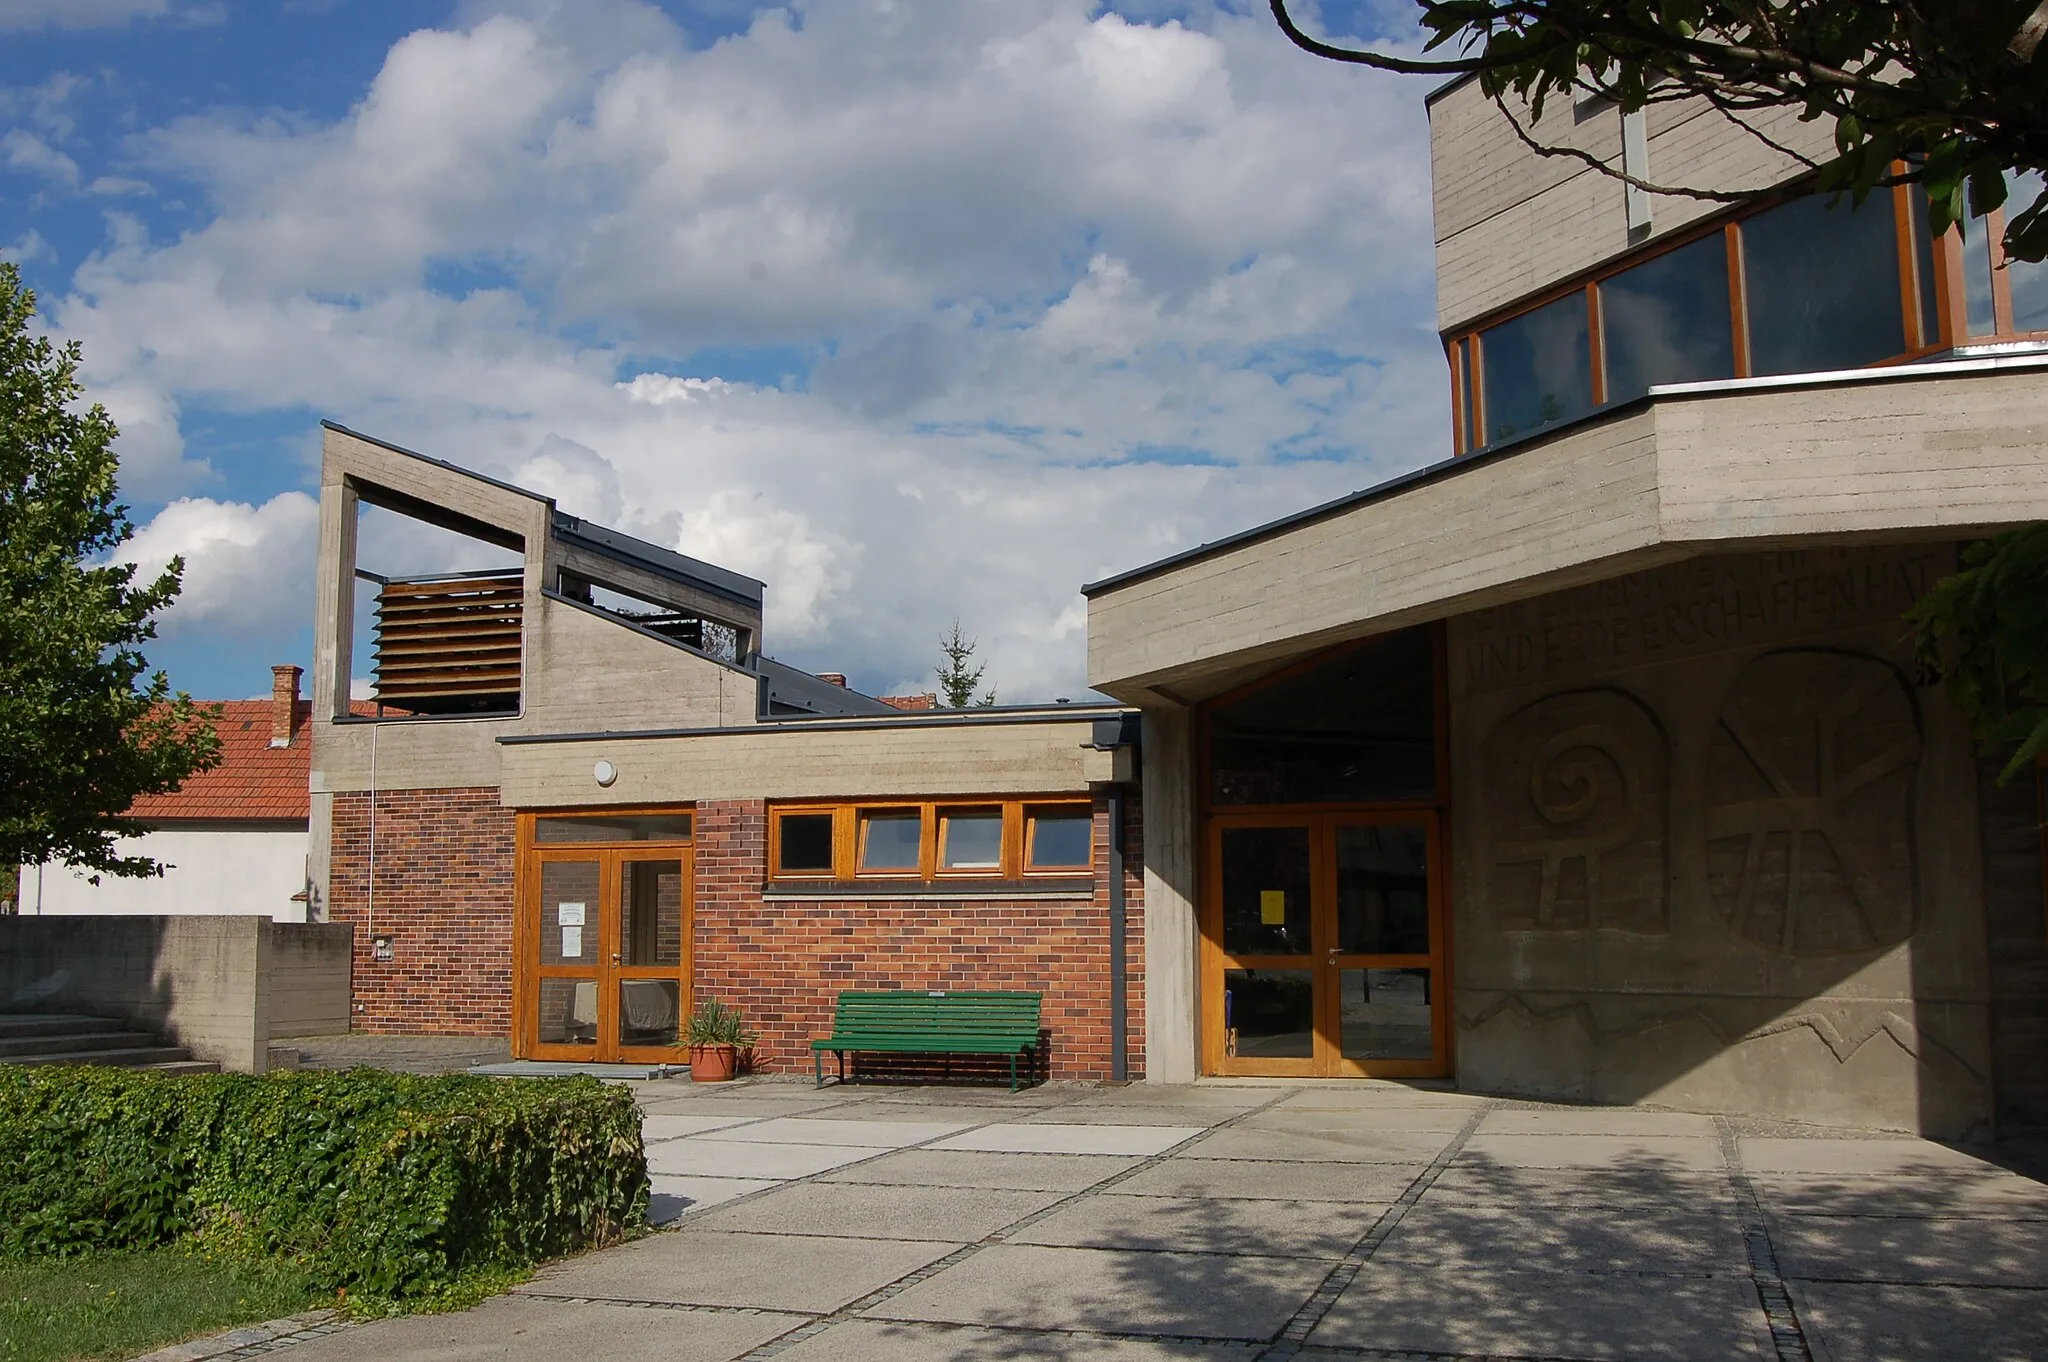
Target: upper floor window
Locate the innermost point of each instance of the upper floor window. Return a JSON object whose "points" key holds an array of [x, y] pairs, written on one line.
{"points": [[931, 840], [1805, 285]]}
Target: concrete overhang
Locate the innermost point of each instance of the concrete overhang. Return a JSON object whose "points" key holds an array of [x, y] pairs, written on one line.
{"points": [[1931, 451]]}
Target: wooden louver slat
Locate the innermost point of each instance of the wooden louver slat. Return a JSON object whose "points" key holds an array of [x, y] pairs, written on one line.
{"points": [[450, 646]]}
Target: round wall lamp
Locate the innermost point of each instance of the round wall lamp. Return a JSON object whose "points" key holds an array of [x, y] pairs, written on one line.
{"points": [[604, 773]]}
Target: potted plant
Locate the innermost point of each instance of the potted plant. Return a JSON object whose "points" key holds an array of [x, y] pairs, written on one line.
{"points": [[717, 1034]]}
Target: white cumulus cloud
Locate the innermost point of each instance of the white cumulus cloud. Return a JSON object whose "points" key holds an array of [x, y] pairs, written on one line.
{"points": [[248, 569]]}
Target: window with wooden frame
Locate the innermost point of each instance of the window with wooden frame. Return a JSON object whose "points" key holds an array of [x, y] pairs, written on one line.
{"points": [[931, 841], [1799, 285]]}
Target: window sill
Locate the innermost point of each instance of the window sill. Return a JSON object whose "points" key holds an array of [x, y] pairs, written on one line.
{"points": [[794, 891]]}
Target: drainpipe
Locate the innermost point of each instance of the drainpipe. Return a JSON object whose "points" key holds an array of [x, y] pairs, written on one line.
{"points": [[1119, 972]]}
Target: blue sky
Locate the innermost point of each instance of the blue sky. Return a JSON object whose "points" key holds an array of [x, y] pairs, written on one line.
{"points": [[914, 310]]}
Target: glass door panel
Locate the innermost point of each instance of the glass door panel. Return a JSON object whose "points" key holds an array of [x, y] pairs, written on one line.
{"points": [[1266, 890], [1384, 963], [653, 919], [567, 953]]}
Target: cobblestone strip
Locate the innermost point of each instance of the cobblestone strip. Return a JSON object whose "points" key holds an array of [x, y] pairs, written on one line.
{"points": [[1297, 1329], [253, 1340], [1786, 1333], [812, 1328]]}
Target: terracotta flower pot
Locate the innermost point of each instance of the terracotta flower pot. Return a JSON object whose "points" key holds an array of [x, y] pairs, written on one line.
{"points": [[713, 1063]]}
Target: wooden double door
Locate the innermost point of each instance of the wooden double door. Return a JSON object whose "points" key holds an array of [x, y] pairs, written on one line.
{"points": [[1323, 945], [605, 953]]}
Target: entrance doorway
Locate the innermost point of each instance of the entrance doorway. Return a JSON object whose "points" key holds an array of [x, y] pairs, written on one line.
{"points": [[604, 940], [1323, 945]]}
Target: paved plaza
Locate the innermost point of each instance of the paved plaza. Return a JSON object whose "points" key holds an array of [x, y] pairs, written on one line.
{"points": [[1269, 1221]]}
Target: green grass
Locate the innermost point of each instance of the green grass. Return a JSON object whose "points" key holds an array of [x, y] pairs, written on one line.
{"points": [[113, 1305]]}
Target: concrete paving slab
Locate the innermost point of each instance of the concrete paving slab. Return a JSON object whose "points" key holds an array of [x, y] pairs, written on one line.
{"points": [[749, 1108], [518, 1329], [1848, 1322], [1266, 1228], [661, 1126], [1187, 1294], [1269, 1181], [1901, 1249], [767, 1271], [1014, 1137], [1323, 1146], [1000, 1172], [959, 1115], [1417, 1307], [1998, 1195], [851, 1210], [1380, 1095], [1488, 1185], [671, 1198], [1569, 1239], [1325, 1117], [1113, 1114], [1639, 1153], [1770, 1154], [952, 1094], [876, 1134], [859, 1340], [1596, 1121], [703, 1156]]}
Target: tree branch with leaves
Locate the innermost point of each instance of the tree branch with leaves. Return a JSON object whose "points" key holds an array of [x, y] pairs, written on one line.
{"points": [[958, 676], [85, 731], [1951, 89]]}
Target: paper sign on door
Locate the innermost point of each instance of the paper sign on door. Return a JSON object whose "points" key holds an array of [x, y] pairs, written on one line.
{"points": [[569, 914], [1273, 907], [572, 943]]}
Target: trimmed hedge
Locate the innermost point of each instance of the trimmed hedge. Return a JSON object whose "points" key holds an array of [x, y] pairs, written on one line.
{"points": [[388, 1185]]}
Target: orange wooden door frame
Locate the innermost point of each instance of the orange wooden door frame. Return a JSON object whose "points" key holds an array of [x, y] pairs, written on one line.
{"points": [[1323, 961]]}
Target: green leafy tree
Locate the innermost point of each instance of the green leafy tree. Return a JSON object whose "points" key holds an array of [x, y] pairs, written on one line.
{"points": [[84, 732], [958, 675], [1950, 87], [1951, 94]]}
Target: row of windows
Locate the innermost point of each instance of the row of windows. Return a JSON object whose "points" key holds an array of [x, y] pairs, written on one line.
{"points": [[1806, 286], [1013, 839]]}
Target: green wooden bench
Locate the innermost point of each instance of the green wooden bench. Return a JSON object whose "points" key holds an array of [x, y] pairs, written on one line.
{"points": [[933, 1022]]}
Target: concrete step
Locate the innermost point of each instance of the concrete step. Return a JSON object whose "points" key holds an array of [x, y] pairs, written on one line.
{"points": [[124, 1059], [180, 1067], [70, 1042], [14, 1024]]}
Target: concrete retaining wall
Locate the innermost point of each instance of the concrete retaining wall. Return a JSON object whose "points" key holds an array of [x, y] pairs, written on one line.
{"points": [[210, 984]]}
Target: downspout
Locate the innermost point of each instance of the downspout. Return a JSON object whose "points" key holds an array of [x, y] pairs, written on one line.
{"points": [[1119, 969]]}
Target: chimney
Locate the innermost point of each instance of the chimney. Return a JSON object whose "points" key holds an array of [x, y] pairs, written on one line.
{"points": [[284, 703], [833, 678]]}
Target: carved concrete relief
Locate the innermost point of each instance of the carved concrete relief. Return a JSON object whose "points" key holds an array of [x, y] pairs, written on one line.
{"points": [[1576, 797], [1809, 804]]}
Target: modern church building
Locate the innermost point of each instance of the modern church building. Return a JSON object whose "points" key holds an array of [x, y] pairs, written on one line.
{"points": [[1592, 763]]}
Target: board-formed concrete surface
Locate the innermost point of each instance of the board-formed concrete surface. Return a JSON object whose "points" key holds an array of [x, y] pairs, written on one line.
{"points": [[1258, 1222]]}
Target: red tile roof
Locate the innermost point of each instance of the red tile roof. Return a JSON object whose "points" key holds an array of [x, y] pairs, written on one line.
{"points": [[254, 782], [925, 701]]}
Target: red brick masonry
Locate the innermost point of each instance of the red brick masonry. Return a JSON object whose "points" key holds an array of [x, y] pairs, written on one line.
{"points": [[444, 894]]}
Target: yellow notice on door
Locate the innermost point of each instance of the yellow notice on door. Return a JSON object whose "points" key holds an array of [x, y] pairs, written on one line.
{"points": [[1273, 907]]}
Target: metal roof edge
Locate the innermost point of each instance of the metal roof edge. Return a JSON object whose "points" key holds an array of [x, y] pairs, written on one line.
{"points": [[838, 723], [611, 543]]}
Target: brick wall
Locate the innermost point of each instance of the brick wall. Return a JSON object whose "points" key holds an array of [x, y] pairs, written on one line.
{"points": [[783, 961], [444, 897], [444, 894]]}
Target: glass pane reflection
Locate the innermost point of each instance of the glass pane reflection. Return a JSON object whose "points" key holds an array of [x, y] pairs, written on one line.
{"points": [[568, 1012], [1383, 890], [647, 1011], [1269, 1013], [1823, 283], [889, 841], [1385, 1014], [1537, 368], [1265, 891], [651, 913], [2028, 278], [568, 913], [1666, 320]]}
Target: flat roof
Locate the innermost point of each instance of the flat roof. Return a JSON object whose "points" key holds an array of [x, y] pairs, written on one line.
{"points": [[950, 718]]}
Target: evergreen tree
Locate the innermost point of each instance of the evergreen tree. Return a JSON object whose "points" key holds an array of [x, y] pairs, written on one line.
{"points": [[83, 730], [958, 678]]}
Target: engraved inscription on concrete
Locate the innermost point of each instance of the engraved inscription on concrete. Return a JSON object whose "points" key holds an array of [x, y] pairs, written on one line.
{"points": [[1809, 804], [1576, 794], [1701, 606]]}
